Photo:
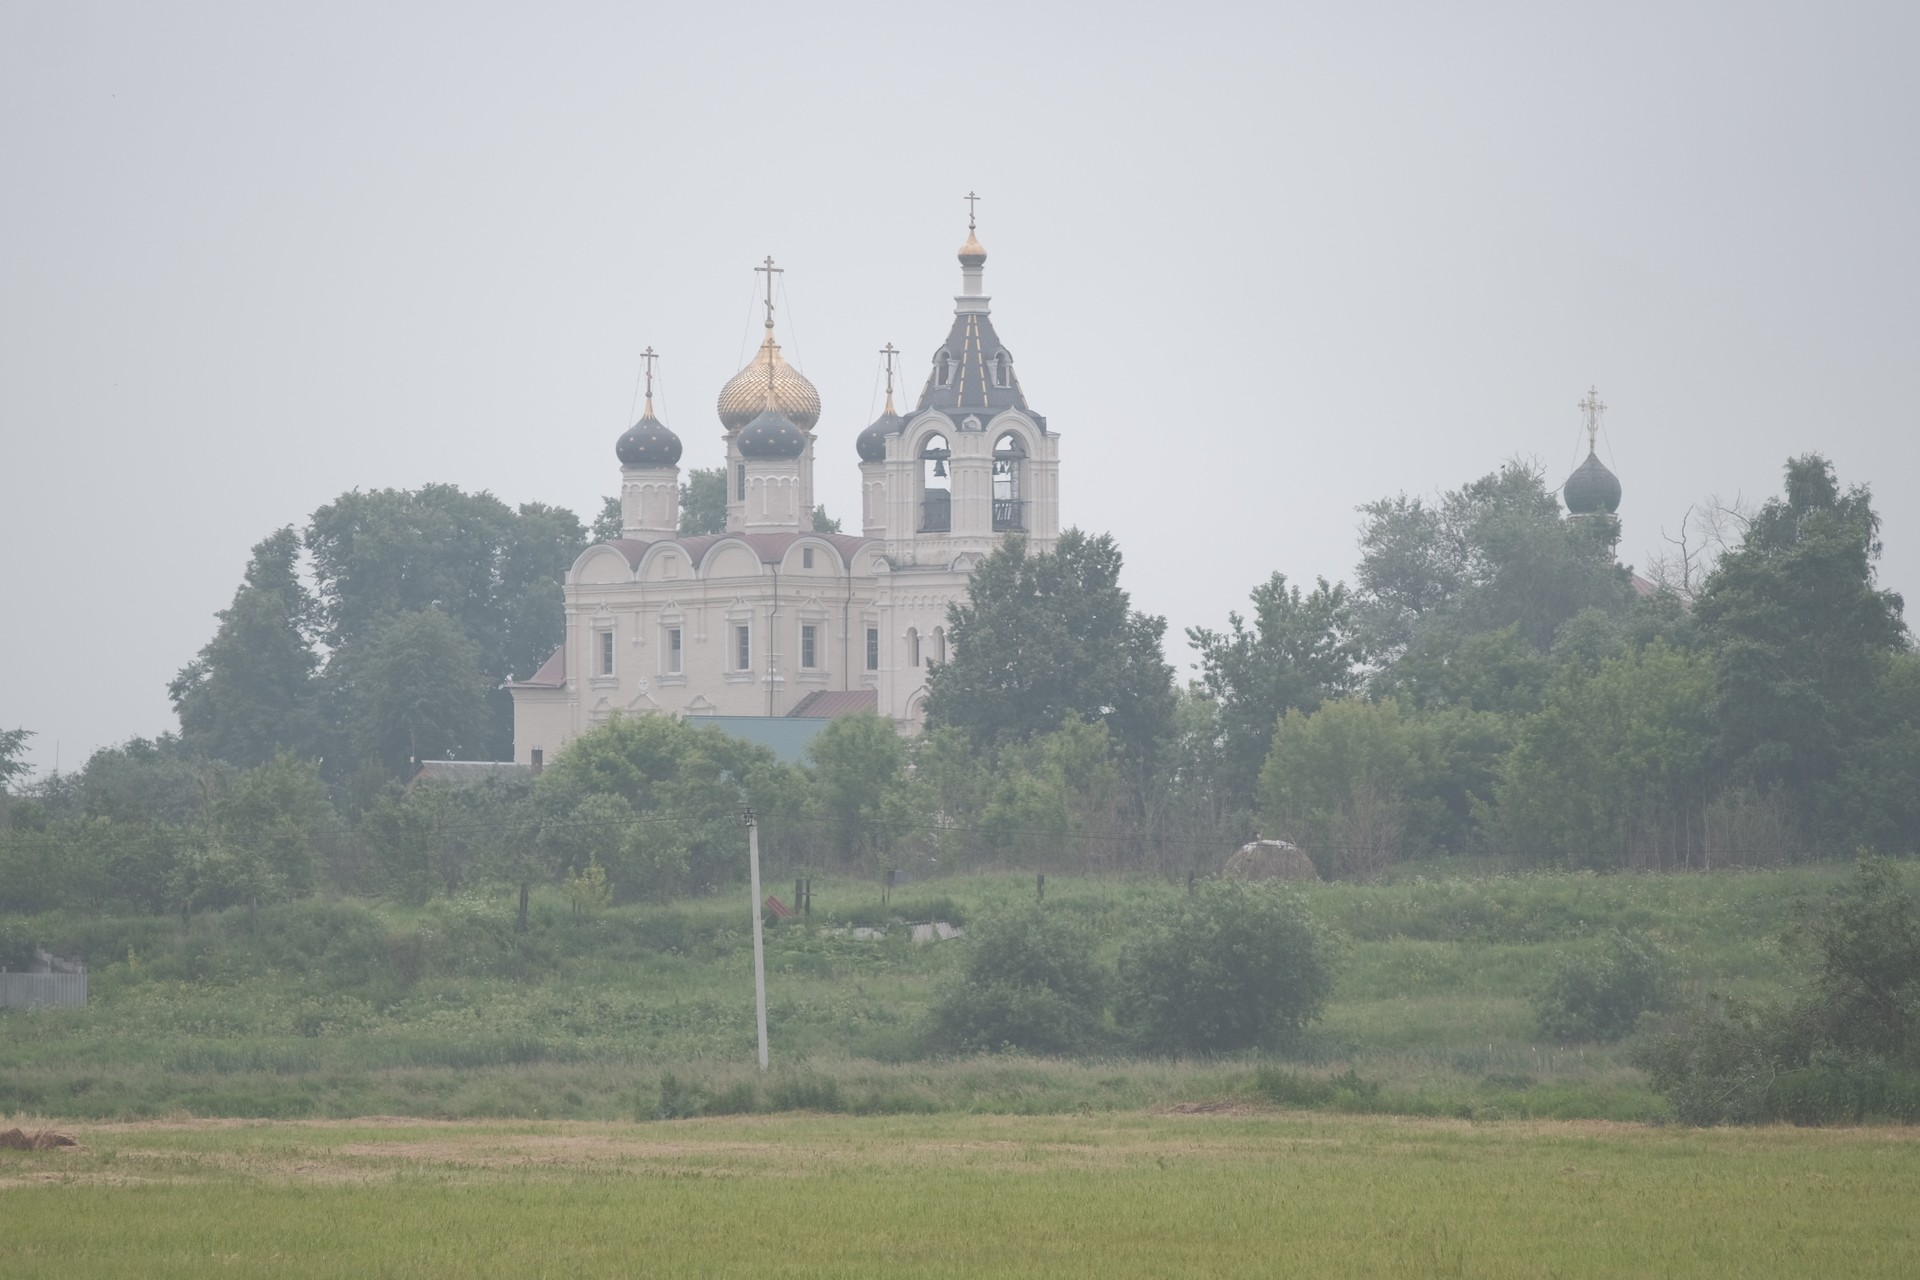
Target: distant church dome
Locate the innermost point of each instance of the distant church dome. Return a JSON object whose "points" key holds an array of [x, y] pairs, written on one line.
{"points": [[772, 435], [973, 253], [648, 443], [872, 443], [745, 394], [1592, 489]]}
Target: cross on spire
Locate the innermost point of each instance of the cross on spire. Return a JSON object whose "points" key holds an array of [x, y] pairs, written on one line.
{"points": [[971, 200], [771, 272], [1594, 408], [648, 357], [889, 351]]}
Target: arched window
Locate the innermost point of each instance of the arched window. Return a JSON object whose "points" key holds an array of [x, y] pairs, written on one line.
{"points": [[913, 646], [936, 486], [939, 646], [1009, 459], [942, 368], [1002, 368]]}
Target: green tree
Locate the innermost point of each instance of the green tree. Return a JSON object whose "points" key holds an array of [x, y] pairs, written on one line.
{"points": [[1802, 634], [703, 501], [1300, 651], [250, 693], [1229, 966], [415, 691], [1030, 982], [861, 797], [608, 525], [824, 523], [1612, 771], [494, 571], [1865, 1001], [272, 814], [1337, 782], [1044, 636], [13, 746]]}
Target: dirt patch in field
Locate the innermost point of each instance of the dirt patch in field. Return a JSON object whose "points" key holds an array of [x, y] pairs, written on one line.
{"points": [[1206, 1109], [44, 1140]]}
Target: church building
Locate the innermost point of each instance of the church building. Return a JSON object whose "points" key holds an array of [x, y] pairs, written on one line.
{"points": [[770, 620]]}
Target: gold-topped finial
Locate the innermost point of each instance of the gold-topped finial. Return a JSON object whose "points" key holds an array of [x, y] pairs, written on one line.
{"points": [[889, 351], [1594, 408], [768, 381], [648, 357], [972, 253]]}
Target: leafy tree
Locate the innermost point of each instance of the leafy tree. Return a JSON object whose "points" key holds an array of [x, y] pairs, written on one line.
{"points": [[1599, 995], [824, 523], [494, 571], [1229, 966], [415, 691], [250, 693], [13, 745], [1337, 782], [271, 813], [680, 789], [1030, 982], [703, 501], [1612, 771], [1866, 998], [1055, 795], [1300, 651], [861, 797], [1492, 554], [1044, 636], [608, 525], [1802, 634]]}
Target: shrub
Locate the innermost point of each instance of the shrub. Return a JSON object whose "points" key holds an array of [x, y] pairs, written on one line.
{"points": [[1600, 994], [1715, 1064], [1030, 982], [1230, 966]]}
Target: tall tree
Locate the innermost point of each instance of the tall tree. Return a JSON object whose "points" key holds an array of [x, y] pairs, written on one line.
{"points": [[414, 691], [1044, 636], [608, 525], [13, 745], [1802, 633], [250, 693], [703, 502], [1300, 651], [862, 796]]}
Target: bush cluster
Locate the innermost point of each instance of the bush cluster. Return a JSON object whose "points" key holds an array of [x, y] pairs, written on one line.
{"points": [[1600, 994], [1231, 966]]}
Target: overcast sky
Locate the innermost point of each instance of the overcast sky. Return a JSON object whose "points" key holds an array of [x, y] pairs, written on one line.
{"points": [[1259, 263]]}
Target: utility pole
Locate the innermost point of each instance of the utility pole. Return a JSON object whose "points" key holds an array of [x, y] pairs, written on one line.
{"points": [[759, 946]]}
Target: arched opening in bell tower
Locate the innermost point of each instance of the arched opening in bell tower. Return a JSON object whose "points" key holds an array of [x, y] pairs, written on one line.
{"points": [[936, 486], [1009, 505]]}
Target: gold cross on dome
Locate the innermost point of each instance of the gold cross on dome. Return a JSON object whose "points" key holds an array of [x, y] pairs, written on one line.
{"points": [[771, 271], [971, 200], [649, 357], [1593, 409]]}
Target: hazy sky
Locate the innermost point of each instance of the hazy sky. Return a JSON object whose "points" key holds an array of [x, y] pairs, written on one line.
{"points": [[1259, 263]]}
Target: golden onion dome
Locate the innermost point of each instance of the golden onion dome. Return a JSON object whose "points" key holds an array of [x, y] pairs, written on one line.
{"points": [[745, 397], [973, 253]]}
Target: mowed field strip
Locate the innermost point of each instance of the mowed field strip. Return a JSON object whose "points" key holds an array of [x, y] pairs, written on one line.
{"points": [[1217, 1192]]}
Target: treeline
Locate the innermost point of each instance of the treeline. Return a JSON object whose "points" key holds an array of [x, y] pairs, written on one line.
{"points": [[1492, 683]]}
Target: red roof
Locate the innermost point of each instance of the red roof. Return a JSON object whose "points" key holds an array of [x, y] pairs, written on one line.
{"points": [[825, 704], [551, 675]]}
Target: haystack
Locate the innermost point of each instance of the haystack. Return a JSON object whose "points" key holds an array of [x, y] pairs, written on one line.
{"points": [[1271, 860]]}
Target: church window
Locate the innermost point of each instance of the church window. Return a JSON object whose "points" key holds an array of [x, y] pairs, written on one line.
{"points": [[743, 648], [939, 646], [913, 646], [538, 760], [873, 648], [808, 653], [936, 486], [606, 652], [942, 368], [1002, 369], [806, 557], [740, 482], [673, 651]]}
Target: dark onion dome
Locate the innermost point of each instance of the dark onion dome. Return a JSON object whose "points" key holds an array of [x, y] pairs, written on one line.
{"points": [[1592, 489], [648, 443], [872, 443], [772, 435]]}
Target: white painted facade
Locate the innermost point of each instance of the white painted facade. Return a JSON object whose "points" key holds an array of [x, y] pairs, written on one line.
{"points": [[752, 621]]}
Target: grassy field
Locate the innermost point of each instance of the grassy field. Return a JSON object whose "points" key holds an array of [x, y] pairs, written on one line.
{"points": [[1233, 1192], [342, 1009]]}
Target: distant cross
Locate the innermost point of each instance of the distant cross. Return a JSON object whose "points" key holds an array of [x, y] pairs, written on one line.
{"points": [[771, 271], [971, 200], [1593, 409], [889, 351], [649, 357]]}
